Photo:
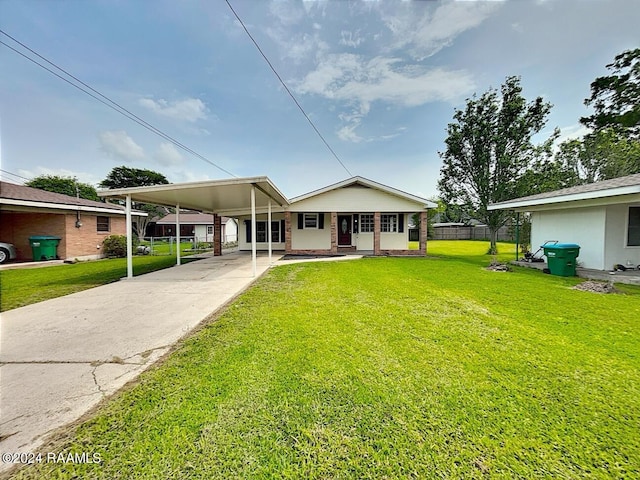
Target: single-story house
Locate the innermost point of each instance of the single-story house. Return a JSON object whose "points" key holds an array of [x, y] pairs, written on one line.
{"points": [[602, 217], [356, 215], [198, 225], [81, 224]]}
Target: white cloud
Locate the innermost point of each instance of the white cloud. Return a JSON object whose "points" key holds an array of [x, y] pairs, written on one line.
{"points": [[189, 110], [353, 78], [168, 155], [423, 32], [359, 82], [119, 144], [350, 39]]}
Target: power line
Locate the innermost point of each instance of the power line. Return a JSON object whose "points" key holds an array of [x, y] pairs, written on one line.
{"points": [[107, 101], [295, 100], [15, 175]]}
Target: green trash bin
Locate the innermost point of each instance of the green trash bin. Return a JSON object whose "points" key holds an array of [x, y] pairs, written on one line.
{"points": [[561, 258], [44, 247]]}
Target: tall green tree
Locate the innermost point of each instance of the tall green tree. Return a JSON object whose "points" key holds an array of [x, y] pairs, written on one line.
{"points": [[601, 155], [616, 97], [126, 177], [65, 185], [489, 148]]}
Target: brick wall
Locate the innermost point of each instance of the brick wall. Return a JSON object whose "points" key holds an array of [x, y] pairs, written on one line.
{"points": [[334, 232], [83, 242], [376, 233]]}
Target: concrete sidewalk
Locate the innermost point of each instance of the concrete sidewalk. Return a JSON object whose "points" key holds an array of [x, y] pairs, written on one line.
{"points": [[61, 357]]}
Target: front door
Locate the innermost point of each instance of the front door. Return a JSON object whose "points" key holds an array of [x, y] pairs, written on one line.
{"points": [[344, 230]]}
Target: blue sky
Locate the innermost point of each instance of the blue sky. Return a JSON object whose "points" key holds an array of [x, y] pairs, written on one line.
{"points": [[380, 80]]}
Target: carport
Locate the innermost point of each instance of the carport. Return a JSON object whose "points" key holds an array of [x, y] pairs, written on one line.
{"points": [[229, 197]]}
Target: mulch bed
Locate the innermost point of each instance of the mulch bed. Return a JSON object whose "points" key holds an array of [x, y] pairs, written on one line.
{"points": [[498, 267], [595, 287]]}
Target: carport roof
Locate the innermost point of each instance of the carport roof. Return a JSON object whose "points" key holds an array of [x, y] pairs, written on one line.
{"points": [[213, 196]]}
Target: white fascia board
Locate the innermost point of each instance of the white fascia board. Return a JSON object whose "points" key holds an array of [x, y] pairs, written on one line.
{"points": [[62, 206], [369, 183], [241, 212], [566, 199]]}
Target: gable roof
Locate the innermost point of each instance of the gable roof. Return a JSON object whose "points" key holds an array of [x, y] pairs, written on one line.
{"points": [[607, 188], [357, 180], [22, 196]]}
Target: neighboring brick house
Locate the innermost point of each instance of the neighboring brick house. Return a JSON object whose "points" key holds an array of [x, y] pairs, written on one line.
{"points": [[81, 224]]}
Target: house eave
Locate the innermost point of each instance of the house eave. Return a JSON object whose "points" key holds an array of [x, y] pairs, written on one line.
{"points": [[625, 194], [59, 206]]}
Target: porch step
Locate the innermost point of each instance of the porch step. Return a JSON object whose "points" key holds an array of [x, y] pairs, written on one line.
{"points": [[351, 249]]}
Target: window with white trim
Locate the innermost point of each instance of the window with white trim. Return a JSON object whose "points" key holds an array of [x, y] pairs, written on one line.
{"points": [[366, 222], [209, 229], [310, 220], [633, 227], [389, 223]]}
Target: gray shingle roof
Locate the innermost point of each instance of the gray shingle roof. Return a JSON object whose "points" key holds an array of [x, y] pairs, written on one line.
{"points": [[20, 192], [628, 181]]}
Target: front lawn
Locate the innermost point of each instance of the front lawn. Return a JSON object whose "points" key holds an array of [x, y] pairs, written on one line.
{"points": [[386, 368]]}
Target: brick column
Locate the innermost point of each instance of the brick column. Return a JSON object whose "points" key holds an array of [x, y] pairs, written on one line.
{"points": [[376, 233], [423, 232], [217, 235], [334, 232], [287, 231]]}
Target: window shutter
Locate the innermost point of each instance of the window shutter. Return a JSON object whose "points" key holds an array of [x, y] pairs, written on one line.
{"points": [[300, 221], [321, 221], [400, 222], [247, 227], [282, 231]]}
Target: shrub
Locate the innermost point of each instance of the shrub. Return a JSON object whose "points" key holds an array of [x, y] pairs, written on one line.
{"points": [[115, 246]]}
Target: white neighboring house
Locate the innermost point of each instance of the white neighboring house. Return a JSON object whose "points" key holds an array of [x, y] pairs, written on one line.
{"points": [[602, 217], [199, 225], [355, 215]]}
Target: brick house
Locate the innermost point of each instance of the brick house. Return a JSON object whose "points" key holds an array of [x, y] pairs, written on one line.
{"points": [[81, 224]]}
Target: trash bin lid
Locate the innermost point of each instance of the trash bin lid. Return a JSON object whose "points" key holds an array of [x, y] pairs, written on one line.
{"points": [[44, 237], [560, 246]]}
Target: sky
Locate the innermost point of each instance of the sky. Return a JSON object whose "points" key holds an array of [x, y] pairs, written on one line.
{"points": [[380, 80]]}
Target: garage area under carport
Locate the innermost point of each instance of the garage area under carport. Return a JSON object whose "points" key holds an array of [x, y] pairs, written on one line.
{"points": [[229, 197]]}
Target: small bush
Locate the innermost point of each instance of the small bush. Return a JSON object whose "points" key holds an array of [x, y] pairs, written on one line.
{"points": [[115, 246]]}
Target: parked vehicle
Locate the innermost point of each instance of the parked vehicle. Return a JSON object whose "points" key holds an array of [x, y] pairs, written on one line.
{"points": [[7, 252]]}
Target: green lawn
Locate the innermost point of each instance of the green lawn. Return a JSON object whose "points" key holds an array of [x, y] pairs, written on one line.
{"points": [[25, 286], [386, 368]]}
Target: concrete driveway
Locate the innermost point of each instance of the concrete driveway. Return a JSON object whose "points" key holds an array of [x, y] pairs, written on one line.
{"points": [[61, 357]]}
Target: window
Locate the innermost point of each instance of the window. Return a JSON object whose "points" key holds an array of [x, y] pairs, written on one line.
{"points": [[261, 232], [389, 223], [103, 224], [633, 232], [209, 229], [366, 222], [310, 220], [277, 231]]}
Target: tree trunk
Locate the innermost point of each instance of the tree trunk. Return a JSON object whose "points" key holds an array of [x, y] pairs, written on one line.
{"points": [[493, 233]]}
